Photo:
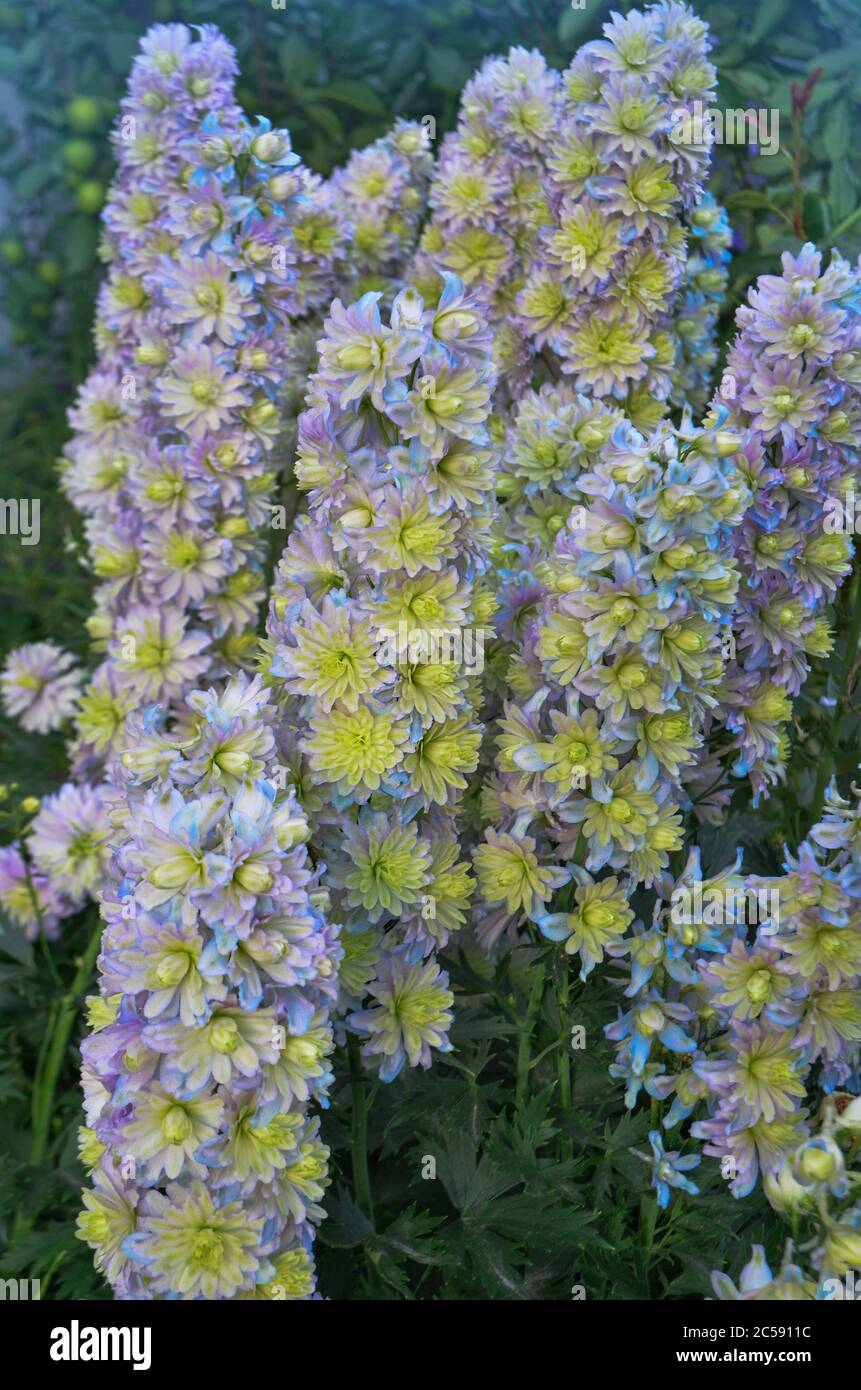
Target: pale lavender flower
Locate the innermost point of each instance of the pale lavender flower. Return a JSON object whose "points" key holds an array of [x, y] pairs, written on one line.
{"points": [[38, 686]]}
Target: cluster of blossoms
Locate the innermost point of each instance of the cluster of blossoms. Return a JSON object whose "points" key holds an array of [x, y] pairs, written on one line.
{"points": [[782, 1011], [173, 429], [64, 855], [551, 436], [62, 862], [818, 1180], [618, 665], [222, 252], [614, 279], [382, 192], [358, 230], [210, 1033], [671, 608], [657, 592], [39, 686], [566, 200], [792, 389], [552, 433], [376, 640], [744, 999]]}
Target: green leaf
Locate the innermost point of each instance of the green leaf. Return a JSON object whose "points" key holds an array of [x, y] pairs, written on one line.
{"points": [[81, 238], [749, 198], [32, 180], [823, 93], [296, 61], [791, 46], [353, 94], [816, 216], [767, 15], [837, 131], [326, 120], [838, 60], [753, 83], [842, 190], [405, 59], [14, 943], [447, 69], [347, 1225], [411, 1236], [494, 1258], [571, 25]]}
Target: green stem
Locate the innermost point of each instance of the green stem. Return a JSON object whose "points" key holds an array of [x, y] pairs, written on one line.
{"points": [[524, 1047], [40, 1064], [563, 1061], [49, 960], [361, 1172], [853, 633], [43, 938], [845, 224], [46, 1085], [52, 1269], [647, 1224]]}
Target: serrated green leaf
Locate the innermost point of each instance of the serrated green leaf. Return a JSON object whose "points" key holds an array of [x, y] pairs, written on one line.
{"points": [[346, 1225], [412, 1236]]}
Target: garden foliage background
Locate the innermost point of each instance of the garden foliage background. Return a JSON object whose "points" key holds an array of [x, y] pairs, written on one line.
{"points": [[518, 1211]]}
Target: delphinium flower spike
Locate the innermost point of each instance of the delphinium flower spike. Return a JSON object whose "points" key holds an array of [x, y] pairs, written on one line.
{"points": [[222, 252], [784, 1002], [210, 1032], [566, 202], [792, 388], [620, 660], [174, 428], [376, 640]]}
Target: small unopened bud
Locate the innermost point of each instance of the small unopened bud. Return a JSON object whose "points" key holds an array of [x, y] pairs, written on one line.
{"points": [[718, 443], [281, 187], [356, 519], [784, 1192], [818, 1160], [269, 146], [262, 413]]}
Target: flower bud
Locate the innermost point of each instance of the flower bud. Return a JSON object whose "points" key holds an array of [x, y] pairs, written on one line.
{"points": [[842, 1250], [269, 146], [784, 1192]]}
